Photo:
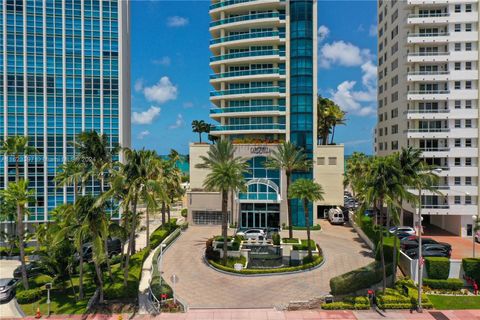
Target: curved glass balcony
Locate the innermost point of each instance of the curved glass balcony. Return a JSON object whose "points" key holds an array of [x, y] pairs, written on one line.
{"points": [[250, 35], [247, 109], [433, 34], [255, 53], [247, 17], [230, 2], [247, 73], [238, 127], [247, 90]]}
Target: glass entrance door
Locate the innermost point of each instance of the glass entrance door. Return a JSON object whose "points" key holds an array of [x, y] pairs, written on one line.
{"points": [[260, 215]]}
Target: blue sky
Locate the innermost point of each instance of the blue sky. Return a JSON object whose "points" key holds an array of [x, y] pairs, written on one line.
{"points": [[170, 56]]}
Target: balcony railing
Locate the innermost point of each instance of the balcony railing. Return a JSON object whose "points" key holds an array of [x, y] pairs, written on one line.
{"points": [[237, 127], [429, 15], [262, 15], [434, 149], [426, 111], [441, 187], [249, 35], [435, 206], [245, 54], [252, 72], [247, 91], [428, 130], [227, 3], [427, 73], [258, 196], [428, 54], [429, 92], [247, 109], [432, 34]]}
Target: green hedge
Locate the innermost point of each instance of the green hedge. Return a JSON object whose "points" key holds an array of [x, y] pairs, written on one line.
{"points": [[448, 284], [471, 267], [437, 267], [317, 261], [368, 227], [355, 280], [29, 296], [304, 245], [312, 228], [395, 299], [387, 250], [342, 305]]}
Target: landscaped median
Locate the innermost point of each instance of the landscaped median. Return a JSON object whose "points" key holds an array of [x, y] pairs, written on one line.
{"points": [[260, 257]]}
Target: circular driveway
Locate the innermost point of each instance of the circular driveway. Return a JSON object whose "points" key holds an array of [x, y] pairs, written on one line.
{"points": [[199, 286]]}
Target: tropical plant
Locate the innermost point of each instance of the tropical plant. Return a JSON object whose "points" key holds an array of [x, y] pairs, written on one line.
{"points": [[16, 146], [288, 158], [70, 174], [329, 115], [199, 126], [308, 192], [19, 194], [357, 166], [226, 173]]}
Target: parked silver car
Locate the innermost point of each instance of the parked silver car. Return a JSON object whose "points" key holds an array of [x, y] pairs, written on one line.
{"points": [[7, 289], [252, 234]]}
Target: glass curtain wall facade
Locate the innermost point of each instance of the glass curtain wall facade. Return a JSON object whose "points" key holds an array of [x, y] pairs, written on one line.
{"points": [[63, 70], [301, 90]]}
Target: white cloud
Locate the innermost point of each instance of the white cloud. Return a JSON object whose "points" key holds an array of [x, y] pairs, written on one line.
{"points": [[323, 33], [369, 77], [138, 85], [146, 117], [177, 21], [188, 105], [349, 99], [344, 54], [143, 134], [163, 61], [372, 31], [179, 122], [161, 92]]}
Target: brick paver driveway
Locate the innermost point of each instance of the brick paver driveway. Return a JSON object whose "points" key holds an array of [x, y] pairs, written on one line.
{"points": [[199, 286]]}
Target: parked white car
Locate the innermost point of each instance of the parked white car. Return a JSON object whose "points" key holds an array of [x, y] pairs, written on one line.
{"points": [[335, 216], [402, 230], [252, 233]]}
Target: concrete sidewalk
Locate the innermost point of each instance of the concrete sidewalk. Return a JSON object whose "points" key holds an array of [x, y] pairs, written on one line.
{"points": [[270, 314]]}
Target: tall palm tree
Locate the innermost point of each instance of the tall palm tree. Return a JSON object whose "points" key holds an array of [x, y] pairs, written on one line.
{"points": [[226, 173], [288, 158], [199, 127], [338, 116], [19, 194], [329, 115], [307, 191], [381, 185], [95, 224], [16, 146], [357, 167], [70, 173]]}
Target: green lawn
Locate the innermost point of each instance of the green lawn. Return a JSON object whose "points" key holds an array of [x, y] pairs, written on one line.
{"points": [[455, 302]]}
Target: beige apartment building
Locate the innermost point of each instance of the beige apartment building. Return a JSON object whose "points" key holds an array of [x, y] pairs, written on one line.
{"points": [[264, 63], [428, 98]]}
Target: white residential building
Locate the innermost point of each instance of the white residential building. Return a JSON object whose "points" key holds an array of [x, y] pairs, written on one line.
{"points": [[428, 97]]}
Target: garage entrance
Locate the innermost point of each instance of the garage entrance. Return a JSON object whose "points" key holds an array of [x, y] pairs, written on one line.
{"points": [[207, 217]]}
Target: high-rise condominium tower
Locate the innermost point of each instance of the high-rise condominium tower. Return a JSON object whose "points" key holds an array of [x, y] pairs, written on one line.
{"points": [[64, 69], [264, 63], [428, 98]]}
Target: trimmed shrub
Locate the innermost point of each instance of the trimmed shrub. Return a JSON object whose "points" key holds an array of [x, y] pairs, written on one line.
{"points": [[437, 267], [184, 212], [348, 303], [387, 250], [448, 284], [288, 240], [355, 280], [368, 227], [312, 228], [394, 299], [304, 245], [471, 267], [276, 239], [29, 296]]}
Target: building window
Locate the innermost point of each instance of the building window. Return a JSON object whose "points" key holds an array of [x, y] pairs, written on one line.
{"points": [[458, 85], [468, 65], [458, 66], [458, 8], [458, 46], [468, 8], [458, 162], [458, 104], [468, 46], [394, 64], [458, 143], [394, 113], [468, 199], [468, 162], [395, 145], [458, 27], [457, 200], [468, 84], [394, 96], [321, 161], [468, 123], [394, 81], [458, 181], [395, 129], [468, 104], [468, 181], [458, 123], [468, 27], [332, 161], [468, 143]]}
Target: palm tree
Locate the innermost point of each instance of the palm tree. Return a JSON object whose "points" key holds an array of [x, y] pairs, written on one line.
{"points": [[95, 224], [357, 166], [308, 192], [199, 127], [226, 174], [288, 158], [381, 185], [19, 194], [329, 115], [16, 146], [338, 116], [70, 173]]}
